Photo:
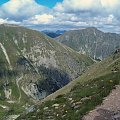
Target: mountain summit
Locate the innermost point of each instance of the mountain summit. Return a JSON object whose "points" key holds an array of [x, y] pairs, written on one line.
{"points": [[91, 41]]}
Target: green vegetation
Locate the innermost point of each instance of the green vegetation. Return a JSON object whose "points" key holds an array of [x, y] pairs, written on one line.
{"points": [[81, 99], [41, 66], [31, 64], [81, 95]]}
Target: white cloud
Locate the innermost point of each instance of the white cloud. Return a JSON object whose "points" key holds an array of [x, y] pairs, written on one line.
{"points": [[101, 6], [76, 5], [69, 14], [109, 3], [20, 9], [40, 19], [110, 19], [85, 13], [2, 21]]}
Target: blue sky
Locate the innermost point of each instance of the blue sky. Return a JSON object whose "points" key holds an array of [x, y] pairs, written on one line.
{"points": [[62, 14], [3, 1], [48, 3]]}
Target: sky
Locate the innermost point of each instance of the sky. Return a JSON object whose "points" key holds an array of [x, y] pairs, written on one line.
{"points": [[48, 3], [3, 1], [62, 14]]}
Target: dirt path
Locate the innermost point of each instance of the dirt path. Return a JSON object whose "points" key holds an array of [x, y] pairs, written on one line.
{"points": [[17, 82], [110, 108]]}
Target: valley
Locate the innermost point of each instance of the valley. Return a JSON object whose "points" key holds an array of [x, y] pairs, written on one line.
{"points": [[59, 60], [82, 95], [34, 66], [42, 78]]}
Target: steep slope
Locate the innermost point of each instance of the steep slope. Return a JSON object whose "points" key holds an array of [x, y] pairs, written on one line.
{"points": [[33, 66], [91, 41], [81, 95]]}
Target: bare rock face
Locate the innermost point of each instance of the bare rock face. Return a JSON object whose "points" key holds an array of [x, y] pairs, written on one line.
{"points": [[8, 93], [91, 41]]}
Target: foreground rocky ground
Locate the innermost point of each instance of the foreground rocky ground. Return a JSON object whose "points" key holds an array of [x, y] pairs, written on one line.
{"points": [[109, 110]]}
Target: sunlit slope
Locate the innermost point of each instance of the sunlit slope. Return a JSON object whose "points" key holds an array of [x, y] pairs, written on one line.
{"points": [[81, 95], [32, 66]]}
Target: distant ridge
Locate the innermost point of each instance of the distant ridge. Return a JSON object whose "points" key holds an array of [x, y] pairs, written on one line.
{"points": [[91, 41], [54, 34]]}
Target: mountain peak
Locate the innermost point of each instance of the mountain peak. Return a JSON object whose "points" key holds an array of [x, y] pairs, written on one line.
{"points": [[92, 29], [91, 41]]}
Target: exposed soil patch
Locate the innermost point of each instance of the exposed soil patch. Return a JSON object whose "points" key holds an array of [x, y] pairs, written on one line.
{"points": [[109, 110]]}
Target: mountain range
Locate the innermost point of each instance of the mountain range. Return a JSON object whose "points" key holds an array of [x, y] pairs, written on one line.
{"points": [[32, 66], [91, 41], [53, 34], [60, 79]]}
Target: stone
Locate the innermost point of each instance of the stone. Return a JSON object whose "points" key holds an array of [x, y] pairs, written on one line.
{"points": [[45, 108], [77, 103], [70, 99], [55, 105], [76, 107], [64, 105], [63, 116]]}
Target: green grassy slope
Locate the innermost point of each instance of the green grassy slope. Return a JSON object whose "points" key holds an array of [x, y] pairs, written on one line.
{"points": [[81, 95], [39, 64]]}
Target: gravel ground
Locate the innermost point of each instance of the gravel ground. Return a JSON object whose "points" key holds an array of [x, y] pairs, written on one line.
{"points": [[109, 110]]}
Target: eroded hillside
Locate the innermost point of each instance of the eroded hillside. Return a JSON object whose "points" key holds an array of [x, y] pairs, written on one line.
{"points": [[81, 95], [33, 66]]}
